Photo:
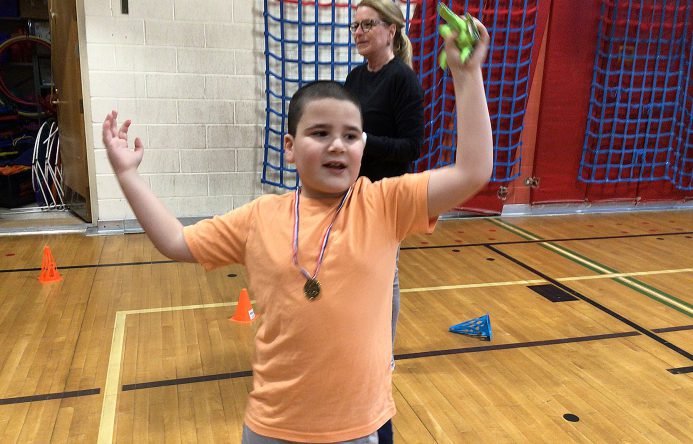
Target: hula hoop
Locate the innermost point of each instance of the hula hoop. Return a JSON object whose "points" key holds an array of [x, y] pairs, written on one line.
{"points": [[6, 44]]}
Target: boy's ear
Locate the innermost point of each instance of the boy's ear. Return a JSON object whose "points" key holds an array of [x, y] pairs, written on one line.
{"points": [[289, 148]]}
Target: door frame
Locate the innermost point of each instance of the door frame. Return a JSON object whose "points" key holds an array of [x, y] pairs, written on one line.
{"points": [[92, 211], [87, 115]]}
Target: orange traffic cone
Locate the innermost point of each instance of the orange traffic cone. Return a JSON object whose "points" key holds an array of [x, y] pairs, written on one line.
{"points": [[244, 311], [49, 272]]}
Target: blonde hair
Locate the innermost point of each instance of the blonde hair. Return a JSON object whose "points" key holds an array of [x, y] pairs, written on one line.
{"points": [[391, 13]]}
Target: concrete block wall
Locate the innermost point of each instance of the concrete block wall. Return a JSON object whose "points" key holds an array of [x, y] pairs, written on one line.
{"points": [[190, 74]]}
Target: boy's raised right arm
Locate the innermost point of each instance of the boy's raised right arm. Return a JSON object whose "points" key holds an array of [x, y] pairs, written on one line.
{"points": [[452, 185], [162, 227]]}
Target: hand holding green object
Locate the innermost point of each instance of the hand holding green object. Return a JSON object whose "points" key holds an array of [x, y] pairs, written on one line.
{"points": [[468, 34]]}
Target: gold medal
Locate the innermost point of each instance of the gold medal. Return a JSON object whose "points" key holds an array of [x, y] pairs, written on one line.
{"points": [[311, 289]]}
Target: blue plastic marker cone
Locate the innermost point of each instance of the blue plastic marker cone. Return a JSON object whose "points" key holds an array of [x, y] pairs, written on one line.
{"points": [[478, 327]]}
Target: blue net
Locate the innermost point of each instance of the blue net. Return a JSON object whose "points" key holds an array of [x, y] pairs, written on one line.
{"points": [[506, 72], [304, 42], [307, 41], [639, 126]]}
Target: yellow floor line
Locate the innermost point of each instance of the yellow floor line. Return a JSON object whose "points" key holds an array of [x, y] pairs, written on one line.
{"points": [[541, 281], [590, 264], [617, 275], [110, 395], [621, 277], [108, 407], [656, 295], [110, 391], [479, 285], [179, 308]]}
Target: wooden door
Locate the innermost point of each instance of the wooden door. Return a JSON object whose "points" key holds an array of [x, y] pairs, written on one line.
{"points": [[68, 83]]}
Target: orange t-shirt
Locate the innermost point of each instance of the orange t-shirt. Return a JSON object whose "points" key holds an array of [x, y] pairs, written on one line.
{"points": [[321, 368]]}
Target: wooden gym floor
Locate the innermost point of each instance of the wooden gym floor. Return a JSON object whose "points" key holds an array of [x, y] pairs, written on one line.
{"points": [[131, 347]]}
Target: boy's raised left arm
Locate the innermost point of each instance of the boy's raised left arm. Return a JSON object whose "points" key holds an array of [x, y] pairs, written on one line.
{"points": [[450, 186]]}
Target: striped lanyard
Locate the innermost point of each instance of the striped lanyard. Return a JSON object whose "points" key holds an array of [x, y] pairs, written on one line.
{"points": [[313, 279]]}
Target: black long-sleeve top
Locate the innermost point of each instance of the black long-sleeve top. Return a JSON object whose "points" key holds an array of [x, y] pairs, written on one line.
{"points": [[392, 107]]}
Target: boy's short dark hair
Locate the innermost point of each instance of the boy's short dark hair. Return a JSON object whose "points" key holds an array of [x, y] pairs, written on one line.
{"points": [[320, 89]]}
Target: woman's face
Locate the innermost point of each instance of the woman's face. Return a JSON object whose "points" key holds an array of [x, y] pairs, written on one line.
{"points": [[378, 40]]}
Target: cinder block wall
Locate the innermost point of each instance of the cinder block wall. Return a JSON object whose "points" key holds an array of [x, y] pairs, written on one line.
{"points": [[190, 74]]}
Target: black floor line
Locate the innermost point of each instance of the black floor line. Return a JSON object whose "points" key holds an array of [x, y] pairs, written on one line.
{"points": [[188, 380], [246, 373], [483, 348], [595, 304], [535, 241], [420, 247], [669, 329], [680, 370], [400, 357], [69, 267], [49, 396]]}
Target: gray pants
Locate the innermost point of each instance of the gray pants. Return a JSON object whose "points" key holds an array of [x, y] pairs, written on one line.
{"points": [[250, 437], [395, 301]]}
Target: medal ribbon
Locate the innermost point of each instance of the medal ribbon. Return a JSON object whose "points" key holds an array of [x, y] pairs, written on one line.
{"points": [[325, 236]]}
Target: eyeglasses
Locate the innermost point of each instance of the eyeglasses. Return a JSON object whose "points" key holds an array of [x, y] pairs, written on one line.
{"points": [[366, 25]]}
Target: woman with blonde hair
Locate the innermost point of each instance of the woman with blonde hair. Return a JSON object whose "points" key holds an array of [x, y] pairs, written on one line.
{"points": [[391, 101], [392, 14]]}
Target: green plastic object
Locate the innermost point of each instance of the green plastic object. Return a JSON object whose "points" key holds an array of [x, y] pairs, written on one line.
{"points": [[468, 34]]}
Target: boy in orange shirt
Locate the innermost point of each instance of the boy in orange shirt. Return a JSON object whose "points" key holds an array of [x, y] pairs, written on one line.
{"points": [[321, 367]]}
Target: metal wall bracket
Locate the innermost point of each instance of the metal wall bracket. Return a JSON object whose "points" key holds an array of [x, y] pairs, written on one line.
{"points": [[532, 182]]}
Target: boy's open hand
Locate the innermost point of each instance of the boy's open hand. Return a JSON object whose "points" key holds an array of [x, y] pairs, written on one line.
{"points": [[476, 59], [121, 157]]}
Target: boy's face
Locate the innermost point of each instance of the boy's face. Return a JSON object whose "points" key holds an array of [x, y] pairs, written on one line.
{"points": [[327, 148]]}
